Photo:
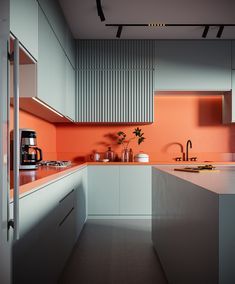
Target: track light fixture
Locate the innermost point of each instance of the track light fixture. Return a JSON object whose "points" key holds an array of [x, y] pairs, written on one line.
{"points": [[220, 31], [100, 10], [119, 32], [163, 25], [205, 32]]}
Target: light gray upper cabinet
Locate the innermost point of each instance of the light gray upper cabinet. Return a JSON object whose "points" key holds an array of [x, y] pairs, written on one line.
{"points": [[114, 81], [54, 15], [233, 54], [193, 65], [70, 48], [51, 67], [24, 24], [58, 24], [70, 91]]}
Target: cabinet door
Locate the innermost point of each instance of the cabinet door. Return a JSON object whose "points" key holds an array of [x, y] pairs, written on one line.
{"points": [[233, 96], [47, 232], [193, 65], [70, 48], [65, 236], [70, 91], [24, 23], [55, 17], [233, 54], [51, 67], [58, 23], [103, 190], [81, 200], [135, 190], [115, 85]]}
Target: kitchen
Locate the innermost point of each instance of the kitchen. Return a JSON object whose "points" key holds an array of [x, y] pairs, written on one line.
{"points": [[80, 81]]}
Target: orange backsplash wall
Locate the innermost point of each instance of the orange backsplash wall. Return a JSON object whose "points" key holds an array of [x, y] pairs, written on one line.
{"points": [[178, 117], [46, 133]]}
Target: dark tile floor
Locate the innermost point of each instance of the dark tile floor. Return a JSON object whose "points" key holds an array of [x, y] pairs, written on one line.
{"points": [[114, 252]]}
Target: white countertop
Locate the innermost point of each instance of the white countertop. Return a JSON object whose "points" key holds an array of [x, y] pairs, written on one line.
{"points": [[221, 182]]}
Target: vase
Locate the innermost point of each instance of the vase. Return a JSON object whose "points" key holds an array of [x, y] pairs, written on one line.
{"points": [[125, 155]]}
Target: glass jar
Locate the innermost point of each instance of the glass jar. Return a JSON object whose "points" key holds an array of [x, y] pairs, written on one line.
{"points": [[109, 154], [125, 155]]}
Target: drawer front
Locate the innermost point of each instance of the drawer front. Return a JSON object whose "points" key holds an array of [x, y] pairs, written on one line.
{"points": [[66, 205]]}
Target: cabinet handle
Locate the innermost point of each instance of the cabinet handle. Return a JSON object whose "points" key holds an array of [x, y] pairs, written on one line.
{"points": [[16, 140], [66, 196], [65, 217]]}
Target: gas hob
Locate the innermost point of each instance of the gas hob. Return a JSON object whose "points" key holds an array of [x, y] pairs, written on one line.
{"points": [[58, 164]]}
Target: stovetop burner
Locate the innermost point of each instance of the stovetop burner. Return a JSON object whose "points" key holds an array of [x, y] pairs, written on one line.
{"points": [[61, 164]]}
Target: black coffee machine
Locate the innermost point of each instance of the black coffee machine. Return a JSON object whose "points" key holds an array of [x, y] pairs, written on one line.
{"points": [[30, 154]]}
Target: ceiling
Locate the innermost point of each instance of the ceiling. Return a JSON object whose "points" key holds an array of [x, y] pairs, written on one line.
{"points": [[84, 22]]}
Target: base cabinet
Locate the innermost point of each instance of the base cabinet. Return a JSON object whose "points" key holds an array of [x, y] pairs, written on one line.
{"points": [[135, 193], [81, 201], [50, 223], [119, 190], [103, 190]]}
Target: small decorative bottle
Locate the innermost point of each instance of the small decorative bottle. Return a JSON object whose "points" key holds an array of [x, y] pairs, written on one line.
{"points": [[109, 154], [131, 156]]}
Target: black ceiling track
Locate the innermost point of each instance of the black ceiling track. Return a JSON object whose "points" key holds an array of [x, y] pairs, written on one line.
{"points": [[100, 10], [169, 25], [162, 25]]}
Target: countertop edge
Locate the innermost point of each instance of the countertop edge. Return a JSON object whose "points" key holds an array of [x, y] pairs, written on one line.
{"points": [[31, 187]]}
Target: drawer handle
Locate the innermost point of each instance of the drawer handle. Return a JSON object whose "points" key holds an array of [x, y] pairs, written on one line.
{"points": [[65, 217], [66, 196]]}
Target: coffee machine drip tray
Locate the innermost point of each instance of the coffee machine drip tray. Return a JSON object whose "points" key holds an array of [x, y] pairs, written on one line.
{"points": [[58, 164]]}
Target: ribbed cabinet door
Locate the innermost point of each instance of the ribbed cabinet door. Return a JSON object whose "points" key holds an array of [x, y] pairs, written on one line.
{"points": [[115, 81]]}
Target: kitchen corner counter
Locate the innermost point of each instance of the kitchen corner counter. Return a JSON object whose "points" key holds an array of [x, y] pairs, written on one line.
{"points": [[31, 179]]}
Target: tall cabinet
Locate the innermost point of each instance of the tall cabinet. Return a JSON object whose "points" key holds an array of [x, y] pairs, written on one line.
{"points": [[50, 75]]}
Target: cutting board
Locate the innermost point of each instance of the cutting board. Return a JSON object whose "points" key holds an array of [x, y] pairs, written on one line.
{"points": [[196, 170]]}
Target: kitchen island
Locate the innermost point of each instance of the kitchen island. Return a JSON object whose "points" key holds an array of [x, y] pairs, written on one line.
{"points": [[193, 228]]}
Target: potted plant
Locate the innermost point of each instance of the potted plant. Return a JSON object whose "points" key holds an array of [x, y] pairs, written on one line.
{"points": [[123, 140]]}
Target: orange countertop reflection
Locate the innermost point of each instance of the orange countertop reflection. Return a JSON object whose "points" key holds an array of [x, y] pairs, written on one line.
{"points": [[32, 179]]}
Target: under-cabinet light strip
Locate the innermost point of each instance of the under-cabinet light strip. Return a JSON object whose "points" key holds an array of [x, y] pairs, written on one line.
{"points": [[45, 105]]}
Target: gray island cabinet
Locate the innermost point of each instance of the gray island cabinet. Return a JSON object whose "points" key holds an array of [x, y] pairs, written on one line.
{"points": [[193, 228]]}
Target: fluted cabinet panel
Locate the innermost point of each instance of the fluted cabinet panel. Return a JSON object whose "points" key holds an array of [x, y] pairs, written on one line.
{"points": [[115, 81]]}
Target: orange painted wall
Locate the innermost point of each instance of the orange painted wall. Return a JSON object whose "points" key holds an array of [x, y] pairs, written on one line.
{"points": [[46, 133], [178, 117]]}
